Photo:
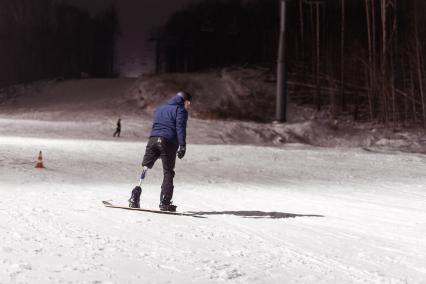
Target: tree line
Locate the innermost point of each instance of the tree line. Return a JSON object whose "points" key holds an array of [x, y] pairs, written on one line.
{"points": [[363, 57], [51, 39]]}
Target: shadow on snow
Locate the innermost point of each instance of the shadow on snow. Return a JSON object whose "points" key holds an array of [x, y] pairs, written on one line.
{"points": [[255, 214]]}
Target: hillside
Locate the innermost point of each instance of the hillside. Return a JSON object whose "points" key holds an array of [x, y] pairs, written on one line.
{"points": [[234, 106]]}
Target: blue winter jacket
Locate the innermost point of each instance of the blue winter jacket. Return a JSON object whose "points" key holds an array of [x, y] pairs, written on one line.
{"points": [[170, 121]]}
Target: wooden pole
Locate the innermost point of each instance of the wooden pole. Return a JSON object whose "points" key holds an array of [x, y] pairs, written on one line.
{"points": [[281, 110]]}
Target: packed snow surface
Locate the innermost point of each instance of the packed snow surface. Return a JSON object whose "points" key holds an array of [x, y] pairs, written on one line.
{"points": [[289, 214]]}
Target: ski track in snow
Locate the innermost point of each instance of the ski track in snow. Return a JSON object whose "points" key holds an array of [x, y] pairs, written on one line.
{"points": [[296, 214]]}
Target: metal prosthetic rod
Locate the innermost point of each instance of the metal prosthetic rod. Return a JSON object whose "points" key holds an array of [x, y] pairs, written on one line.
{"points": [[143, 174]]}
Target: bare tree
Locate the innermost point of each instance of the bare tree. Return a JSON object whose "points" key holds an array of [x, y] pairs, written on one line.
{"points": [[317, 56], [419, 64], [342, 55], [383, 6], [302, 28], [370, 79]]}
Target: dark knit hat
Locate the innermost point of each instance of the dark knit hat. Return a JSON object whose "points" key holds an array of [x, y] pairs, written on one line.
{"points": [[186, 96]]}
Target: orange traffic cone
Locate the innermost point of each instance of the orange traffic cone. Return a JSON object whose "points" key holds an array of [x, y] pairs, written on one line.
{"points": [[39, 164]]}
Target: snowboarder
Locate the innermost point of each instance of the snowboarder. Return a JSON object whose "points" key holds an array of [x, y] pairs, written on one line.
{"points": [[118, 129], [167, 139]]}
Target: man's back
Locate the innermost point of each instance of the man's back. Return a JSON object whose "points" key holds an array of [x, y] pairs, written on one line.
{"points": [[170, 121]]}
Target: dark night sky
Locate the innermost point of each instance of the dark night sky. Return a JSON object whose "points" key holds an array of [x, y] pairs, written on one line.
{"points": [[137, 18]]}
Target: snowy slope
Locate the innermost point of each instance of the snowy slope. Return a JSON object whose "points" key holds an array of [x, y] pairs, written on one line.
{"points": [[296, 215], [289, 214]]}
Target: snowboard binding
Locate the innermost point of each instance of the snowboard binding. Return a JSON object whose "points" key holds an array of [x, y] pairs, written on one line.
{"points": [[169, 207]]}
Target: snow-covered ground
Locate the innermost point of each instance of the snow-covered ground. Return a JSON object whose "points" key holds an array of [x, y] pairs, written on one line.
{"points": [[288, 214]]}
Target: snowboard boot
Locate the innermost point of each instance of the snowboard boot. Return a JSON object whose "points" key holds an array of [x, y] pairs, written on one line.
{"points": [[167, 207], [134, 201]]}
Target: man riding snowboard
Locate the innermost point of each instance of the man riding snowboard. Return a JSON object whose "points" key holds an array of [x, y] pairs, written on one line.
{"points": [[167, 139]]}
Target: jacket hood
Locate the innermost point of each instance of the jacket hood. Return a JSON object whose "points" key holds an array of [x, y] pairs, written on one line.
{"points": [[176, 100]]}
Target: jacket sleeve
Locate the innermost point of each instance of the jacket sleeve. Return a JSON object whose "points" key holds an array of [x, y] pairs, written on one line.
{"points": [[181, 119]]}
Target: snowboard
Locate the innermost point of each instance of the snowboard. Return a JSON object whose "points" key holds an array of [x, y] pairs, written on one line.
{"points": [[110, 205]]}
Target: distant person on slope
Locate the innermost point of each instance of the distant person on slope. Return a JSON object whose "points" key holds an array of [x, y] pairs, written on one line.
{"points": [[167, 139], [118, 129]]}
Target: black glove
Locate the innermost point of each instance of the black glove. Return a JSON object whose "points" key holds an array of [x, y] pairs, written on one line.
{"points": [[181, 151]]}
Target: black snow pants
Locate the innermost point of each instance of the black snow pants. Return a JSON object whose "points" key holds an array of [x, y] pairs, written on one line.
{"points": [[159, 147]]}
